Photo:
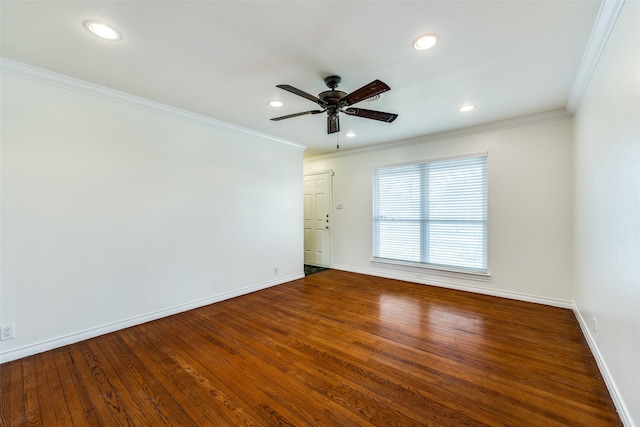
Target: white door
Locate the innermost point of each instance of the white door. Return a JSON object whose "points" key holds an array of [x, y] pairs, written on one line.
{"points": [[317, 221]]}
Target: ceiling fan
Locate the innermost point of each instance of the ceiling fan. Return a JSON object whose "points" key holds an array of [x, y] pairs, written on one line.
{"points": [[335, 101]]}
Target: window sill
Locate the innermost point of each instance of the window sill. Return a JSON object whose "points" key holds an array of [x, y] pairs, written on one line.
{"points": [[432, 270]]}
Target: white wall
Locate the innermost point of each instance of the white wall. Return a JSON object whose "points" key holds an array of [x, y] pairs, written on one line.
{"points": [[530, 233], [607, 210], [112, 215]]}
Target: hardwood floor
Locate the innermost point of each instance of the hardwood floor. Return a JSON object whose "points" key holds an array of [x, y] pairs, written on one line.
{"points": [[332, 349]]}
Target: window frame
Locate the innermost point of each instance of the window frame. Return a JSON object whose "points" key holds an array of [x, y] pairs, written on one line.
{"points": [[433, 268]]}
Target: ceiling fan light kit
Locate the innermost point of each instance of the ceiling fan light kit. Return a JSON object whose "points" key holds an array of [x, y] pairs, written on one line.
{"points": [[335, 101]]}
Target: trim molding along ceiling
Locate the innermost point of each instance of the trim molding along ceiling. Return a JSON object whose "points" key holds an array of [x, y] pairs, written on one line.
{"points": [[18, 69], [470, 130], [605, 21]]}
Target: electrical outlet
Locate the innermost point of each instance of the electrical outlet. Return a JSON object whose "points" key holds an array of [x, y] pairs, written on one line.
{"points": [[7, 332], [275, 270], [594, 326]]}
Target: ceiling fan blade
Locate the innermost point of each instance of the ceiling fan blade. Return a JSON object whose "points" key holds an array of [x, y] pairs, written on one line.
{"points": [[304, 113], [374, 88], [333, 124], [371, 114], [301, 93]]}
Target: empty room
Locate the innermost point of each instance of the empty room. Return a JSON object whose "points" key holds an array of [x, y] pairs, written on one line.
{"points": [[327, 213]]}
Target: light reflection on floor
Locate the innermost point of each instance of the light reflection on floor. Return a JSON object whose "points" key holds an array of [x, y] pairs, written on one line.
{"points": [[399, 310], [444, 323]]}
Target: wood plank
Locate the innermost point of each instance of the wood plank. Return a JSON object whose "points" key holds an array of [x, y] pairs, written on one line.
{"points": [[308, 353], [99, 391], [53, 403], [292, 363], [11, 386], [334, 348], [73, 388], [144, 391], [31, 404], [186, 390]]}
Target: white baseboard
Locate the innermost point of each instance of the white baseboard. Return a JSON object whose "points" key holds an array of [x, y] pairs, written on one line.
{"points": [[460, 287], [623, 412], [42, 346]]}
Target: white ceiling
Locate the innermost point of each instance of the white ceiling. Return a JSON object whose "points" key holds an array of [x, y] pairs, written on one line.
{"points": [[223, 59]]}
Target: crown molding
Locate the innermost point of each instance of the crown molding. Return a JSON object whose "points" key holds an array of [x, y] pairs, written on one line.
{"points": [[30, 72], [466, 131], [602, 28]]}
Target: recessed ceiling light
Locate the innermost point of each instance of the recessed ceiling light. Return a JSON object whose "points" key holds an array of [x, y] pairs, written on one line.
{"points": [[350, 134], [466, 108], [275, 103], [102, 30], [425, 41]]}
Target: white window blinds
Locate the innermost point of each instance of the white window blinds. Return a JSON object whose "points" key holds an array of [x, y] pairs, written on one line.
{"points": [[433, 214]]}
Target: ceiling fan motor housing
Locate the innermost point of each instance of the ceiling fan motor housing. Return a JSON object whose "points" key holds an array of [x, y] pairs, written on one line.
{"points": [[331, 97]]}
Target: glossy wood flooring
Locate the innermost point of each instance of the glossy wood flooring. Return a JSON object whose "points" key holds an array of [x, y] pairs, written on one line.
{"points": [[332, 349]]}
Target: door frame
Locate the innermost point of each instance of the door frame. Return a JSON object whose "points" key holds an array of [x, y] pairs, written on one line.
{"points": [[330, 230]]}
